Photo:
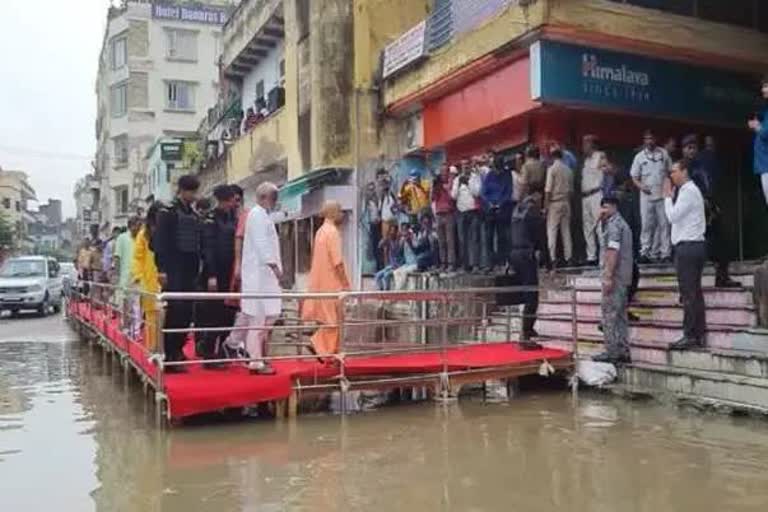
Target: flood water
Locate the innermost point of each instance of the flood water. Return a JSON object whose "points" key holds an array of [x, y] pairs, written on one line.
{"points": [[74, 437]]}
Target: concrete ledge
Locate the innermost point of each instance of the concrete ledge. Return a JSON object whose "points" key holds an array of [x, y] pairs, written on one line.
{"points": [[703, 384]]}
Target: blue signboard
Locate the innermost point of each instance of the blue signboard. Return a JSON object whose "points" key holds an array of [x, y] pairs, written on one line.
{"points": [[571, 74]]}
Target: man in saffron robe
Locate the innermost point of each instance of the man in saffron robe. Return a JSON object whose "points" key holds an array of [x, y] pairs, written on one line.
{"points": [[327, 275]]}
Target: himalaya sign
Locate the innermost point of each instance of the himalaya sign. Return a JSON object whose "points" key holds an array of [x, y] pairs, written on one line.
{"points": [[581, 76], [591, 68], [191, 13]]}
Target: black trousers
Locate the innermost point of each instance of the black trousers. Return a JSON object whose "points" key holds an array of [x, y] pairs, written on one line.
{"points": [[690, 258], [213, 313], [183, 277], [717, 248], [374, 237], [527, 274], [497, 228], [635, 281]]}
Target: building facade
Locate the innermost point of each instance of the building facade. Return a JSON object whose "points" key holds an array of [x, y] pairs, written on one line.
{"points": [[502, 74], [157, 75], [298, 104], [87, 195], [15, 193]]}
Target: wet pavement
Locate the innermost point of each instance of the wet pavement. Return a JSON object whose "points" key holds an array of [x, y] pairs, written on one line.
{"points": [[75, 436]]}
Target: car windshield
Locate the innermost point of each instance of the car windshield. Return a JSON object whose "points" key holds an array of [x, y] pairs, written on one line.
{"points": [[23, 268]]}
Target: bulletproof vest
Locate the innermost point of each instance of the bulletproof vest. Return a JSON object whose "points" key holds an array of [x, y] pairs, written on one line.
{"points": [[225, 234], [521, 236], [187, 232]]}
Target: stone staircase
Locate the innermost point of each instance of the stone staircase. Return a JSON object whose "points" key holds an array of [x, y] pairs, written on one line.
{"points": [[732, 370]]}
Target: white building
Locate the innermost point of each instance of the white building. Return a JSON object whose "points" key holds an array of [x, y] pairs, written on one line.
{"points": [[87, 199], [157, 76], [15, 193]]}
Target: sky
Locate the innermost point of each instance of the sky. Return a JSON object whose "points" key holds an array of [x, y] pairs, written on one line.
{"points": [[48, 60]]}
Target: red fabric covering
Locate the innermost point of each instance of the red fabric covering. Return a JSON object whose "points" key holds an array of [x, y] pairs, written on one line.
{"points": [[201, 390]]}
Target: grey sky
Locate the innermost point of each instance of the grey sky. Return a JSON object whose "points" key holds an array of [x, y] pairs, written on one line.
{"points": [[48, 60]]}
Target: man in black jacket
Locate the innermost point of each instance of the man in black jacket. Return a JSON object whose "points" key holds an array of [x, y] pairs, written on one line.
{"points": [[177, 246], [526, 242], [218, 257]]}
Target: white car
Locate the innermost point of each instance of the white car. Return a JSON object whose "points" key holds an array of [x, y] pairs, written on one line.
{"points": [[30, 283]]}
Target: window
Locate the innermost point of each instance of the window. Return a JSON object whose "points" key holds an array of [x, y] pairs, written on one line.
{"points": [[121, 150], [259, 90], [18, 206], [281, 72], [180, 96], [181, 44], [118, 52], [119, 103], [121, 200], [7, 203]]}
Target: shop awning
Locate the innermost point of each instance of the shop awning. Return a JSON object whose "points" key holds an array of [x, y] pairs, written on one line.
{"points": [[312, 180]]}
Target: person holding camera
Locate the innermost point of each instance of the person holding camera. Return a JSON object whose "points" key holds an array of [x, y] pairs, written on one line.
{"points": [[444, 207], [466, 192], [496, 193]]}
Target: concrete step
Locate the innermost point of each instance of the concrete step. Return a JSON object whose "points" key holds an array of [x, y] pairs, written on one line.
{"points": [[659, 296], [659, 334], [742, 316], [737, 362], [698, 383], [660, 281]]}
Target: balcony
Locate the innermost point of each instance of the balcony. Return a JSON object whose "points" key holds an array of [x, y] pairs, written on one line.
{"points": [[260, 149], [254, 29]]}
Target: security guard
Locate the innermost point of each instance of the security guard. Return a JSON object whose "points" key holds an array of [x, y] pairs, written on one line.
{"points": [[218, 258], [616, 272], [527, 229], [177, 245]]}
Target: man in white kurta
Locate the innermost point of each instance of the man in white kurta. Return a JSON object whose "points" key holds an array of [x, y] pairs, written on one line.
{"points": [[261, 270]]}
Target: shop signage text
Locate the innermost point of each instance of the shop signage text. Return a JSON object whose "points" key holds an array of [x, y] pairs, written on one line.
{"points": [[171, 151], [201, 14], [408, 48], [570, 74]]}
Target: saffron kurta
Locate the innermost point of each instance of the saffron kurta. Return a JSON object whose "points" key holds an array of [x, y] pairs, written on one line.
{"points": [[144, 272], [324, 278]]}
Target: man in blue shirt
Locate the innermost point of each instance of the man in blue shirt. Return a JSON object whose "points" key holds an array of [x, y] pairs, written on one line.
{"points": [[496, 194]]}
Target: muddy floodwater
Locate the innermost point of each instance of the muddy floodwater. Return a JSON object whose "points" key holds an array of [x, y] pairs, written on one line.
{"points": [[75, 437]]}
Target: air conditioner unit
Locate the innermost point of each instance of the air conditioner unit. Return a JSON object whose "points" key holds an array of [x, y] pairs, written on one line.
{"points": [[414, 133]]}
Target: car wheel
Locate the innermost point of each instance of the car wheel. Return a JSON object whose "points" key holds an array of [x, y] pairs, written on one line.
{"points": [[42, 310], [14, 313]]}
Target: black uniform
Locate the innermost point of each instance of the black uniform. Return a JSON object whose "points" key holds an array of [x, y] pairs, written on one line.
{"points": [[704, 174], [526, 238], [177, 245], [629, 208], [219, 229]]}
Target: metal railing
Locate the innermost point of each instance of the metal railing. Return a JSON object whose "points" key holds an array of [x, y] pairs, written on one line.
{"points": [[370, 324]]}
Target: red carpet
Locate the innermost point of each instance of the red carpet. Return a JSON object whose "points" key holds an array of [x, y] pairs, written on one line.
{"points": [[201, 390]]}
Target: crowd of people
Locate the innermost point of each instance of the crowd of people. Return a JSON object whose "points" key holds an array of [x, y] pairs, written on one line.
{"points": [[190, 245]]}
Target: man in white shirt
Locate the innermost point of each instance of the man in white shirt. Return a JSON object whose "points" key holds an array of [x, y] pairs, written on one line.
{"points": [[649, 169], [466, 191], [261, 272], [686, 214], [591, 194]]}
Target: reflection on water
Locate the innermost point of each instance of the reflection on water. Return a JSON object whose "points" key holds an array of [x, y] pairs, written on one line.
{"points": [[75, 436]]}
